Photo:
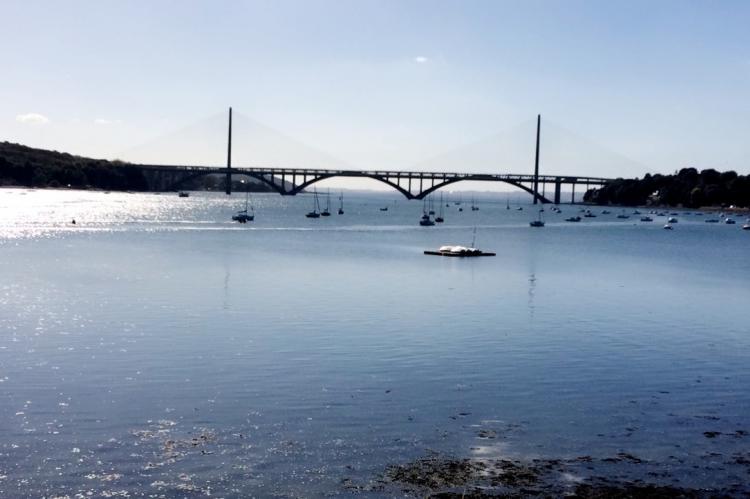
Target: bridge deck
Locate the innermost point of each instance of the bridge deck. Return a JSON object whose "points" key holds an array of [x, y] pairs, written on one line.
{"points": [[413, 184]]}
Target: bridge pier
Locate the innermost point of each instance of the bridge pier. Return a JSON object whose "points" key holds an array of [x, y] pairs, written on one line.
{"points": [[558, 186], [573, 194]]}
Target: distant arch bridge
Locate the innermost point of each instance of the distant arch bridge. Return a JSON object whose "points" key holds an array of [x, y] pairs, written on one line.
{"points": [[412, 184]]}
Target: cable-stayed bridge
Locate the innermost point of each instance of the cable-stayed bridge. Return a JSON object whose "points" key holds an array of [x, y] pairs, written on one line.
{"points": [[412, 184]]}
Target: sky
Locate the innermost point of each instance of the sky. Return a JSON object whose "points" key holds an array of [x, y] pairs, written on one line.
{"points": [[624, 88]]}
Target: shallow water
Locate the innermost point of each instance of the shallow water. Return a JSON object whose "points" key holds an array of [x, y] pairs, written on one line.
{"points": [[157, 348]]}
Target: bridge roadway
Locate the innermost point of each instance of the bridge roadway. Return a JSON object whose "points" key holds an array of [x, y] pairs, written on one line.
{"points": [[412, 184]]}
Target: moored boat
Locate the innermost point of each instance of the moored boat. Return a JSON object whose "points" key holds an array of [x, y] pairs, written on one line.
{"points": [[538, 222], [460, 251], [244, 216], [316, 207]]}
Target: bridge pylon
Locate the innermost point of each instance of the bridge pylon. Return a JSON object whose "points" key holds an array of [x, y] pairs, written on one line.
{"points": [[536, 159]]}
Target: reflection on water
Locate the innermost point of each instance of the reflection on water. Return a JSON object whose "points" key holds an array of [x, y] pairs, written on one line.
{"points": [[156, 348]]}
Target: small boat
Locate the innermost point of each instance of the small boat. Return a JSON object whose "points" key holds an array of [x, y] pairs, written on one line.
{"points": [[573, 219], [623, 215], [672, 220], [538, 222], [647, 219], [384, 208], [636, 212], [507, 202], [243, 216], [183, 194], [474, 207], [316, 207], [668, 227], [425, 221], [606, 212], [460, 251], [327, 211], [341, 204], [588, 214], [439, 219], [746, 226], [729, 221], [520, 208]]}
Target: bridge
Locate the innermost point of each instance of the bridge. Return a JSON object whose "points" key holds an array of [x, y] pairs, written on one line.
{"points": [[412, 184]]}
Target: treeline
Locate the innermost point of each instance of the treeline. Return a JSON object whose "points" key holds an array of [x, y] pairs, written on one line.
{"points": [[689, 188], [26, 166], [29, 167]]}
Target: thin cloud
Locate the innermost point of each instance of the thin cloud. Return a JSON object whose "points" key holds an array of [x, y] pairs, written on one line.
{"points": [[102, 121], [32, 119], [420, 59]]}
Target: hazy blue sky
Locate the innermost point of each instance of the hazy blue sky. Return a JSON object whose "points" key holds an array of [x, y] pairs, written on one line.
{"points": [[384, 83]]}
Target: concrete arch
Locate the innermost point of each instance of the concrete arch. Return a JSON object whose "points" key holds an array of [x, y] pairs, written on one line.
{"points": [[434, 188], [304, 185]]}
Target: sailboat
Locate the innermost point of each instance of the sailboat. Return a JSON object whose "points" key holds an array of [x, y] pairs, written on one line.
{"points": [[439, 219], [316, 207], [425, 221], [507, 202], [327, 211], [341, 203], [432, 209], [243, 216], [474, 207], [538, 222]]}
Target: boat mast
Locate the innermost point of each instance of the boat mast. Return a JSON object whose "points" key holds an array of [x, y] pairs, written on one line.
{"points": [[229, 156]]}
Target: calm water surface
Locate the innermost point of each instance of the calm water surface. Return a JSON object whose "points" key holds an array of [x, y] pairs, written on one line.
{"points": [[157, 349]]}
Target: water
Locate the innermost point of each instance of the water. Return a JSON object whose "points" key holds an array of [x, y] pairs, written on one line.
{"points": [[155, 348]]}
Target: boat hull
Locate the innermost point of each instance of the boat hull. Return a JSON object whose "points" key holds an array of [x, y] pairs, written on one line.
{"points": [[459, 255]]}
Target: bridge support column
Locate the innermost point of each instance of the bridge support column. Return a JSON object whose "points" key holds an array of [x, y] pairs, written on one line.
{"points": [[573, 194], [558, 185]]}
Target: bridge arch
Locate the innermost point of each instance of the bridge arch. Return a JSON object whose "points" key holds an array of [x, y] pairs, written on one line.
{"points": [[435, 187], [409, 195], [304, 185]]}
